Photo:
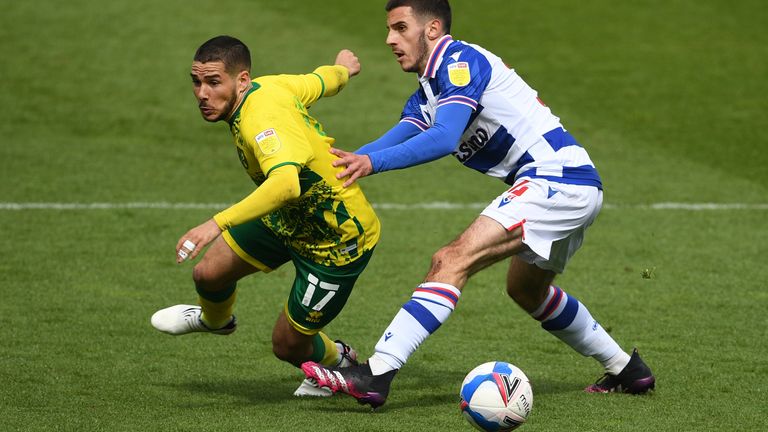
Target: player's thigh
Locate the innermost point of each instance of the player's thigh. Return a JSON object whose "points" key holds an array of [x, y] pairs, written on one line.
{"points": [[319, 292], [483, 243], [240, 251], [257, 245], [221, 264]]}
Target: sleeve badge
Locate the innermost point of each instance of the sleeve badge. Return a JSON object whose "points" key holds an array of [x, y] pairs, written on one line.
{"points": [[268, 142], [458, 74]]}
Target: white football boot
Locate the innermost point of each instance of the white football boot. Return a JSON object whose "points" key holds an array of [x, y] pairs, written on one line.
{"points": [[309, 386], [182, 319]]}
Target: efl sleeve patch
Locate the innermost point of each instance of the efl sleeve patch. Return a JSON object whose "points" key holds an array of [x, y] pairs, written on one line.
{"points": [[458, 74], [268, 142]]}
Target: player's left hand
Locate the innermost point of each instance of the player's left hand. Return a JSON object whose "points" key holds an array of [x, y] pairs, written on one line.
{"points": [[355, 165], [349, 60], [191, 243]]}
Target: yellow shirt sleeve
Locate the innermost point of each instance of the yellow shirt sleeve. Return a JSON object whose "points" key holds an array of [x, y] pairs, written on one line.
{"points": [[324, 81], [280, 187], [334, 78]]}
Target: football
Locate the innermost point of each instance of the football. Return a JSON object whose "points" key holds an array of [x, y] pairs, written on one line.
{"points": [[496, 396]]}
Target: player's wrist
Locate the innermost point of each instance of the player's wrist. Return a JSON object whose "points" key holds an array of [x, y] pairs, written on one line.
{"points": [[220, 220], [374, 162]]}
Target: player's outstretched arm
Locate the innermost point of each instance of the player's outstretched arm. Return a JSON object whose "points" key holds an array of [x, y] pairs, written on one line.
{"points": [[349, 60], [355, 165], [282, 185], [324, 81]]}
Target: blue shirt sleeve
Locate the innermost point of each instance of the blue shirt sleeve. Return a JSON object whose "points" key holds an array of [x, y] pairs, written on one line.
{"points": [[437, 141], [463, 81], [398, 134]]}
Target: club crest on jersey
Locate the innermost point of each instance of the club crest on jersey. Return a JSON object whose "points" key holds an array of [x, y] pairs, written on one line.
{"points": [[268, 142], [513, 193], [458, 74]]}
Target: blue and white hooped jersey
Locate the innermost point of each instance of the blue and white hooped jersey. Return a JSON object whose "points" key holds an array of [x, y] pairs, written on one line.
{"points": [[511, 133]]}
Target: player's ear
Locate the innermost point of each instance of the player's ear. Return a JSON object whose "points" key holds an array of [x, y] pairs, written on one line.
{"points": [[243, 80], [435, 29]]}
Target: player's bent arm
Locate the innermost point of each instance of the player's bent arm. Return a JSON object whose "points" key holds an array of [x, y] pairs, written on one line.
{"points": [[437, 141], [324, 81], [334, 78], [400, 133], [280, 187]]}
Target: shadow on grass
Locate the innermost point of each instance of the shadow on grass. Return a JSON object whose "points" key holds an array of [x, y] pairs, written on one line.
{"points": [[417, 385], [247, 390], [420, 386]]}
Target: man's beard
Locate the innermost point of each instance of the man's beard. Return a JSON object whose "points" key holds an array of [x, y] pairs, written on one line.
{"points": [[228, 108], [423, 54]]}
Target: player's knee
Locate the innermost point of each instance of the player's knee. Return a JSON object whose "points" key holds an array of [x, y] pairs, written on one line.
{"points": [[204, 277], [448, 260]]}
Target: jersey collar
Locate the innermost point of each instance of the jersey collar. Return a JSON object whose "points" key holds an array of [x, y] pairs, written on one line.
{"points": [[254, 86], [437, 56]]}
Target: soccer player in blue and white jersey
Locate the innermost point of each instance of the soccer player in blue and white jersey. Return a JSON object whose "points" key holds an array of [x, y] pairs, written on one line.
{"points": [[471, 105]]}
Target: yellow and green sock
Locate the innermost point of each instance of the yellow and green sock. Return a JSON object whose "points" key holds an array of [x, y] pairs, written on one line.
{"points": [[217, 306], [325, 350]]}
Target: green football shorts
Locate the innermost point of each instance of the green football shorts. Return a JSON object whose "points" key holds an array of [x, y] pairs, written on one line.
{"points": [[319, 292]]}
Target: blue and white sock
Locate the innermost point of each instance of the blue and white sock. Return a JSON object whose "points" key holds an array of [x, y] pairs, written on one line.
{"points": [[567, 318], [430, 305]]}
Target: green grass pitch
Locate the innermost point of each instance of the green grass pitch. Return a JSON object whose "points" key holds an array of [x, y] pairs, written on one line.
{"points": [[96, 107]]}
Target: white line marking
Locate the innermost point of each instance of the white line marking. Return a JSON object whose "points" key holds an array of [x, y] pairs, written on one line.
{"points": [[703, 206], [436, 205]]}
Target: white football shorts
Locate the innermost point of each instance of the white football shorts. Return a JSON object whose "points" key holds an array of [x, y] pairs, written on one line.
{"points": [[554, 217]]}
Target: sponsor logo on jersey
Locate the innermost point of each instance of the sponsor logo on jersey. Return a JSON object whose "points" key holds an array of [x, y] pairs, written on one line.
{"points": [[268, 142], [349, 249], [474, 144], [458, 74]]}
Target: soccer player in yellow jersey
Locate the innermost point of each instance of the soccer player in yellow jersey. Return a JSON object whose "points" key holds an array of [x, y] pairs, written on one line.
{"points": [[299, 211]]}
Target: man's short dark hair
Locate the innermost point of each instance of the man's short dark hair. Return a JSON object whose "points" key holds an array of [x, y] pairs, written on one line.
{"points": [[439, 9], [228, 50]]}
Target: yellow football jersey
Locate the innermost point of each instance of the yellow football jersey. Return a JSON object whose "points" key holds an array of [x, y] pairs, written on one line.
{"points": [[328, 223]]}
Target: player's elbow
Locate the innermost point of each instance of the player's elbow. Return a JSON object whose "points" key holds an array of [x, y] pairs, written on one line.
{"points": [[288, 188], [284, 184], [291, 190]]}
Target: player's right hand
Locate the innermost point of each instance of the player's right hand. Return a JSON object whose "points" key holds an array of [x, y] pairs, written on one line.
{"points": [[191, 243], [355, 165], [349, 60]]}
